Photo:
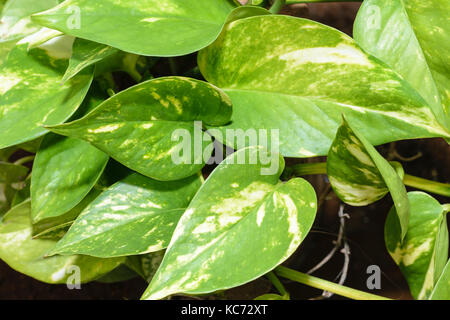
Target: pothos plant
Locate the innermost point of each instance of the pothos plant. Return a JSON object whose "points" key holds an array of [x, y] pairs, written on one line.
{"points": [[105, 193]]}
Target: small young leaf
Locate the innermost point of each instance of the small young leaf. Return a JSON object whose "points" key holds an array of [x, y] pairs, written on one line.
{"points": [[141, 126], [360, 175], [151, 27], [31, 94], [136, 215], [64, 171], [411, 36], [302, 81], [241, 224], [26, 255], [84, 54], [418, 253]]}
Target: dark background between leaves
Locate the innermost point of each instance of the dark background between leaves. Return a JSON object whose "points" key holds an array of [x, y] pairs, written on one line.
{"points": [[364, 229]]}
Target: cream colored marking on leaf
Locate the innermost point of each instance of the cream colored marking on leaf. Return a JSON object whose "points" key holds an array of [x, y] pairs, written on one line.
{"points": [[407, 256], [359, 154], [8, 81], [107, 128], [151, 20], [260, 214], [341, 54], [244, 199]]}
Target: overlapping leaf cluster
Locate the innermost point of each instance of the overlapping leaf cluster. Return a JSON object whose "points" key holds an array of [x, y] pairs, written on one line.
{"points": [[104, 193]]}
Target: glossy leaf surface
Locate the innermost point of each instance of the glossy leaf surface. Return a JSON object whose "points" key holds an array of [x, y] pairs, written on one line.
{"points": [[136, 215], [25, 255], [418, 254], [141, 127], [240, 225], [411, 36], [360, 175], [303, 80], [163, 27]]}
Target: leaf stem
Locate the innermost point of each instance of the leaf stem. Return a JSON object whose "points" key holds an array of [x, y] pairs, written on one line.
{"points": [[24, 160], [440, 188], [277, 284], [276, 6], [431, 186], [326, 285]]}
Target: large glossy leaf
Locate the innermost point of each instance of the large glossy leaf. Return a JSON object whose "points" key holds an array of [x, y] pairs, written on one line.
{"points": [[31, 94], [140, 127], [162, 27], [241, 224], [136, 215], [303, 80], [420, 256], [442, 288], [25, 255], [64, 171], [412, 37], [360, 175]]}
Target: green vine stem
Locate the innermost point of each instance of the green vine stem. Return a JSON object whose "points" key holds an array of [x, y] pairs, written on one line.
{"points": [[277, 284], [277, 5], [442, 189], [326, 285], [24, 160]]}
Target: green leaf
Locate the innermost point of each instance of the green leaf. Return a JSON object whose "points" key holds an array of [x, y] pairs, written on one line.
{"points": [[360, 175], [25, 255], [121, 273], [241, 224], [141, 127], [31, 94], [84, 54], [136, 215], [303, 80], [418, 253], [162, 27], [56, 227], [64, 171], [271, 296], [16, 18], [412, 37], [10, 172], [442, 288]]}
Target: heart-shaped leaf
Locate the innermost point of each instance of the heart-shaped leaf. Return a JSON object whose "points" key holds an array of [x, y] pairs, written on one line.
{"points": [[421, 256], [241, 224], [302, 81], [141, 127], [360, 175], [411, 36], [64, 171], [31, 94], [162, 27], [26, 255], [136, 215]]}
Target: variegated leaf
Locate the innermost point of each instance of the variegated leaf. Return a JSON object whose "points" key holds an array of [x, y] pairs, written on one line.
{"points": [[26, 255], [64, 171], [412, 37], [142, 126], [302, 81], [31, 94], [420, 256], [152, 27], [56, 227], [442, 289], [136, 215], [86, 53], [241, 224], [360, 175]]}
